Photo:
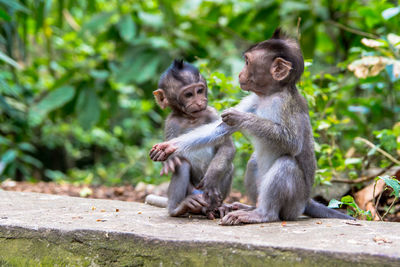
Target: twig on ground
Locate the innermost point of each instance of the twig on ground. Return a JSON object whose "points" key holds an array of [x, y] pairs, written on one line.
{"points": [[390, 207]]}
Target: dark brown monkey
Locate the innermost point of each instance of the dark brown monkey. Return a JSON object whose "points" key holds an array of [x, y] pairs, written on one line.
{"points": [[280, 172], [184, 90]]}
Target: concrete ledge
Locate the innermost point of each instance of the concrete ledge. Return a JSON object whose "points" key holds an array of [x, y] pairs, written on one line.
{"points": [[56, 230]]}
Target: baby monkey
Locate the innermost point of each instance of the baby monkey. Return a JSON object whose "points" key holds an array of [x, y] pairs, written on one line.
{"points": [[184, 90]]}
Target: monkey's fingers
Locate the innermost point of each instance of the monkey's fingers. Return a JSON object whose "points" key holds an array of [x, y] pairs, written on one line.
{"points": [[164, 170], [201, 201], [222, 211], [178, 161], [160, 156], [153, 152], [171, 165]]}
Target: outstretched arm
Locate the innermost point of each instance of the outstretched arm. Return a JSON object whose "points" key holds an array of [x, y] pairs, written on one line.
{"points": [[207, 135]]}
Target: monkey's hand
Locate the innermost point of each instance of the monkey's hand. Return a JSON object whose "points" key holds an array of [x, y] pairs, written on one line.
{"points": [[170, 165], [234, 117], [161, 151], [212, 195]]}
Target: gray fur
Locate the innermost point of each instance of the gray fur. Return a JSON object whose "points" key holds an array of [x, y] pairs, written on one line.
{"points": [[281, 171]]}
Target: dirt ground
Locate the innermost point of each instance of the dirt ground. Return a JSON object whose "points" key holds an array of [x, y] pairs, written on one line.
{"points": [[123, 193]]}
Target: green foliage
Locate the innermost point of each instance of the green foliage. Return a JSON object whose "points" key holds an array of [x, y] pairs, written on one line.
{"points": [[392, 183], [76, 80], [352, 209]]}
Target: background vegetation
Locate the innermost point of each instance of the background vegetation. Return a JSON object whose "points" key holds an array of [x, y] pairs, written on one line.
{"points": [[76, 80]]}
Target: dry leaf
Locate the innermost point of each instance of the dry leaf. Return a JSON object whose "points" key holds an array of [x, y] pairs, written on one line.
{"points": [[93, 208], [101, 220], [116, 210], [102, 210], [283, 224], [319, 222], [139, 212], [364, 198]]}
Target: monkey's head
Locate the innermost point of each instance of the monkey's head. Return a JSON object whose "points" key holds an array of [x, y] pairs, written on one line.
{"points": [[183, 89], [272, 64]]}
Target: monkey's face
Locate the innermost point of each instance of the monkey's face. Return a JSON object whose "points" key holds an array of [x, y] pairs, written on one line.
{"points": [[264, 72], [255, 76], [193, 99]]}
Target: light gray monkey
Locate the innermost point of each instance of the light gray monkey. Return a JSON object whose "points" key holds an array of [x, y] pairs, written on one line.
{"points": [[280, 172]]}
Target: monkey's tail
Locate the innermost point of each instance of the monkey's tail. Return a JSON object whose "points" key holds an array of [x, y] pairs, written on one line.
{"points": [[157, 201], [317, 210]]}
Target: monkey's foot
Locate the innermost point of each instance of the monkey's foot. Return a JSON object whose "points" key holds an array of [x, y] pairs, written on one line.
{"points": [[242, 217], [224, 209]]}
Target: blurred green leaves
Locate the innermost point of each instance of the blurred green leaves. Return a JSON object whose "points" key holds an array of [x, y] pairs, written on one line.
{"points": [[55, 99], [76, 80]]}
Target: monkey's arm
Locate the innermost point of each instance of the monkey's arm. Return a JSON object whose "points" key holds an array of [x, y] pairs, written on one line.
{"points": [[207, 135], [172, 129], [287, 136]]}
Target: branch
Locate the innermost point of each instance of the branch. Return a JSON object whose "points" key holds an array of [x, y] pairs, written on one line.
{"points": [[363, 179], [380, 150], [355, 31]]}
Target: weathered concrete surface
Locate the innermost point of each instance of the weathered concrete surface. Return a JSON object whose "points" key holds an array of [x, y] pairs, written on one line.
{"points": [[47, 230]]}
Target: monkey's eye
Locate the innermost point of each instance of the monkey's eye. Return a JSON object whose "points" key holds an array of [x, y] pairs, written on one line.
{"points": [[200, 91], [188, 94]]}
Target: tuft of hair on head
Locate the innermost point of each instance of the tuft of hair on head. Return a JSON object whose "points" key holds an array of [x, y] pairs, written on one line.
{"points": [[277, 33], [178, 63], [178, 74], [280, 34]]}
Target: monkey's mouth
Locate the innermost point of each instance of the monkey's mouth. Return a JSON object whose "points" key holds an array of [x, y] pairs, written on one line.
{"points": [[197, 112], [244, 86]]}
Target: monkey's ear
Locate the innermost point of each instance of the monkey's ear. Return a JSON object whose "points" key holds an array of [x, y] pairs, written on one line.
{"points": [[161, 98], [280, 69]]}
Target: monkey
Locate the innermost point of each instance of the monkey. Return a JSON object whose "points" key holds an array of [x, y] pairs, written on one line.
{"points": [[210, 169], [280, 172]]}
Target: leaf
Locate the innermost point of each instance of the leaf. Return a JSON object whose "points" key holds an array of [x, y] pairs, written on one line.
{"points": [[31, 160], [14, 5], [334, 204], [390, 12], [9, 156], [347, 200], [127, 28], [10, 61], [97, 22], [55, 99], [88, 108], [353, 161], [27, 147], [4, 15], [393, 183], [99, 74], [373, 43]]}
